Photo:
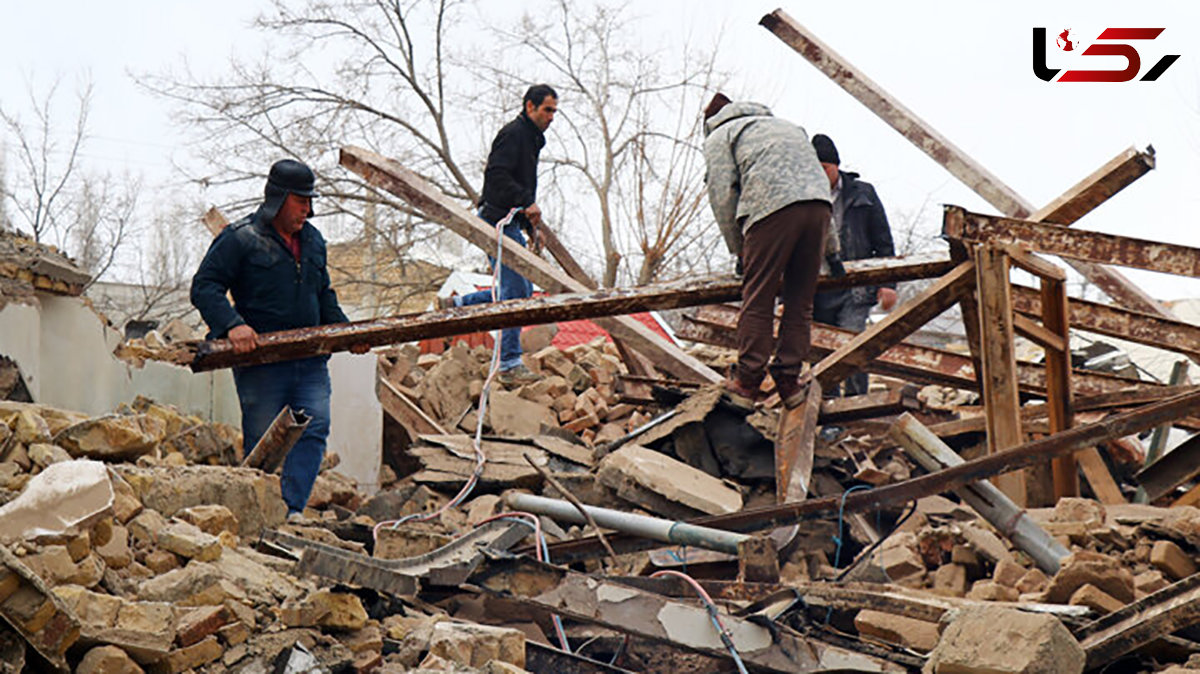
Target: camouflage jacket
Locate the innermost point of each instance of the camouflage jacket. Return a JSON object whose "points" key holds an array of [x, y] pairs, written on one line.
{"points": [[757, 164]]}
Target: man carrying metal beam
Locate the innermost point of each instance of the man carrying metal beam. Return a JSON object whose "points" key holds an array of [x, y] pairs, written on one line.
{"points": [[273, 264], [861, 227], [510, 182], [771, 201]]}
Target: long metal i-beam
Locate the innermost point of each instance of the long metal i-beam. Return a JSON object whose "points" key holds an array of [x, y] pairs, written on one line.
{"points": [[1121, 171], [325, 339]]}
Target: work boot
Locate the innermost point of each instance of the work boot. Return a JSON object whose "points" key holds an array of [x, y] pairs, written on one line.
{"points": [[741, 395], [443, 303], [793, 390], [518, 376]]}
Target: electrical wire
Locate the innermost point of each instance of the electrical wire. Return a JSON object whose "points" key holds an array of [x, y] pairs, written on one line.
{"points": [[713, 615], [493, 369]]}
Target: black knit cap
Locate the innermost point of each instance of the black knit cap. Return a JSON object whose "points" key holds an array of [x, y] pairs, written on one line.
{"points": [[826, 151]]}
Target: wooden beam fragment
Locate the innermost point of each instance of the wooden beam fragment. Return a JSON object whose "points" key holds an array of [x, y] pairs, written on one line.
{"points": [[1060, 393], [1002, 401], [870, 405], [1171, 470], [794, 445], [1169, 610], [1038, 334], [1123, 251]]}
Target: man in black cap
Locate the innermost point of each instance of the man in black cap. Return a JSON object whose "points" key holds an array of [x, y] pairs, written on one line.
{"points": [[273, 264], [861, 226]]}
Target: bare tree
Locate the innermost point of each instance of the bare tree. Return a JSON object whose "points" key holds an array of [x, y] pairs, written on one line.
{"points": [[87, 213], [630, 130]]}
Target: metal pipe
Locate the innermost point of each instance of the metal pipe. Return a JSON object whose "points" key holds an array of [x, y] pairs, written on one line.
{"points": [[985, 498], [667, 531]]}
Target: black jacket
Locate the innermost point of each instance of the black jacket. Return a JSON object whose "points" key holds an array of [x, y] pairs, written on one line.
{"points": [[510, 179], [865, 234], [271, 289]]}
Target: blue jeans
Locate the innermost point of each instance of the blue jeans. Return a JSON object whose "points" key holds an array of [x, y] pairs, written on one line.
{"points": [[263, 390], [513, 286]]}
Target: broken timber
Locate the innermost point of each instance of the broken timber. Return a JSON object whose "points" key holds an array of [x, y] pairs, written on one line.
{"points": [[1123, 251], [685, 625], [794, 445], [326, 339], [1028, 454], [393, 177], [921, 364], [1172, 608], [1171, 470], [1109, 179]]}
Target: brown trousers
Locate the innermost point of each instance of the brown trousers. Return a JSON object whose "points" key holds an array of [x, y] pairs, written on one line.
{"points": [[781, 257]]}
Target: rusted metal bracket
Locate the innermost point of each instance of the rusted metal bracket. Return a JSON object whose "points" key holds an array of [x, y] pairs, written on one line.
{"points": [[680, 624], [273, 447], [1028, 454], [1170, 609], [449, 565]]}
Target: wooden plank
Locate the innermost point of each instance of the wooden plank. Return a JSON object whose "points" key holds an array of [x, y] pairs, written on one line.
{"points": [[870, 405], [1171, 470], [404, 410], [1093, 190], [1123, 251], [1059, 395], [901, 322], [1026, 261], [794, 444], [1037, 334], [215, 220], [391, 176], [1101, 480], [1001, 395], [1158, 439]]}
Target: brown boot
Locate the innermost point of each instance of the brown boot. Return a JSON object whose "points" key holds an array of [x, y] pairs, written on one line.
{"points": [[793, 390], [740, 394]]}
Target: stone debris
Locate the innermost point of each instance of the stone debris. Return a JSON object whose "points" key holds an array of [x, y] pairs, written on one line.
{"points": [[153, 545]]}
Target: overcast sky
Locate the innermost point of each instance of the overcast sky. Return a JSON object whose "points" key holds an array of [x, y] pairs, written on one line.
{"points": [[963, 67]]}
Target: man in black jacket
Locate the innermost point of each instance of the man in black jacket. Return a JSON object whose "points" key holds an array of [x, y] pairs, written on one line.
{"points": [[273, 264], [862, 229], [510, 183]]}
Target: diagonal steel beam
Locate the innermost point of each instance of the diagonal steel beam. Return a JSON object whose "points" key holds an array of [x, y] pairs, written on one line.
{"points": [[1100, 185]]}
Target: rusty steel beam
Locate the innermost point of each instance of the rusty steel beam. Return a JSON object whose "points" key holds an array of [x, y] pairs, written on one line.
{"points": [[437, 207], [1118, 173], [1169, 610], [326, 339], [1123, 251], [911, 362], [277, 441], [1028, 454], [1132, 326], [680, 624], [900, 323]]}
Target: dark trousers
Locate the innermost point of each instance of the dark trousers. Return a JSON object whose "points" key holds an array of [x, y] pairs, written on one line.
{"points": [[263, 390], [839, 309], [781, 257]]}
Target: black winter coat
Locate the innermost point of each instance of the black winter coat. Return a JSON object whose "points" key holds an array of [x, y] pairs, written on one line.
{"points": [[510, 179], [271, 289], [865, 234]]}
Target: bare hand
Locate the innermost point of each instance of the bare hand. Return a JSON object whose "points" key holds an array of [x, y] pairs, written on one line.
{"points": [[887, 298], [534, 213], [360, 349], [244, 338]]}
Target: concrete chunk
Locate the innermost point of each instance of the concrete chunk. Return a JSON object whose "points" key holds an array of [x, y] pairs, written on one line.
{"points": [[475, 645], [996, 640], [896, 629], [107, 660], [664, 485], [187, 540], [1169, 558]]}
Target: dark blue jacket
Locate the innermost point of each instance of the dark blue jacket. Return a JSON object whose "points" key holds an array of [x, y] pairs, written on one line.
{"points": [[271, 289], [865, 234]]}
